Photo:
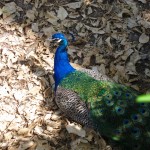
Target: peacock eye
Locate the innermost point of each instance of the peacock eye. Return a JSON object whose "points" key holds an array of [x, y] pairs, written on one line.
{"points": [[119, 110], [136, 118], [126, 122], [136, 132], [142, 104], [108, 97], [109, 102], [117, 132], [117, 93], [101, 110], [136, 146], [144, 111], [130, 101], [122, 103], [128, 95]]}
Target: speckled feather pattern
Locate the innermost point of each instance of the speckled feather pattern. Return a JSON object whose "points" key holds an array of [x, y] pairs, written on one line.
{"points": [[69, 102], [109, 105]]}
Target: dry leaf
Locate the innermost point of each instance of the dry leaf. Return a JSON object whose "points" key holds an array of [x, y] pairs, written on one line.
{"points": [[48, 92], [27, 1], [38, 130], [131, 22], [95, 30], [55, 117], [51, 17], [35, 90], [89, 10], [30, 14], [7, 117], [145, 23], [8, 136], [74, 5], [133, 6], [1, 11], [120, 71], [3, 91], [130, 66], [62, 13], [118, 53], [43, 145], [9, 9], [35, 27], [75, 129], [108, 42], [124, 11], [48, 31], [86, 61], [23, 131], [71, 51], [143, 1], [47, 116], [31, 34], [101, 69], [127, 53], [90, 137], [26, 145], [3, 125], [143, 38], [147, 72], [18, 94]]}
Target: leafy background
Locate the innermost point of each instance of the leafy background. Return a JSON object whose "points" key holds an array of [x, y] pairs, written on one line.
{"points": [[111, 36]]}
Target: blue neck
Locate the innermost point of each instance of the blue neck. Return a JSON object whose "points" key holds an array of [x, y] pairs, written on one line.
{"points": [[62, 66]]}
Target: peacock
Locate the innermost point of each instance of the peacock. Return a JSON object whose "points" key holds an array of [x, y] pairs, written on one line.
{"points": [[95, 101]]}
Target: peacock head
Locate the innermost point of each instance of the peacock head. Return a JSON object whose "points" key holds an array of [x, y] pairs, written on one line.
{"points": [[60, 38]]}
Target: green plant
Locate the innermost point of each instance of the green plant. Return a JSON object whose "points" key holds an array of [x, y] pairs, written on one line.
{"points": [[143, 98]]}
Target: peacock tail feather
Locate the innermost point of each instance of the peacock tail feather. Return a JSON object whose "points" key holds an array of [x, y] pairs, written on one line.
{"points": [[112, 108]]}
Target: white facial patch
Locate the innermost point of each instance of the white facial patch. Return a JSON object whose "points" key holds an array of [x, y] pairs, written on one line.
{"points": [[59, 40]]}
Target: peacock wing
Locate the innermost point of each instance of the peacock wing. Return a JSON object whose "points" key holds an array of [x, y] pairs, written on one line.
{"points": [[71, 104]]}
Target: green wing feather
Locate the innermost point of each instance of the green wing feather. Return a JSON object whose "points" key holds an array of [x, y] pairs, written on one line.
{"points": [[113, 108]]}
